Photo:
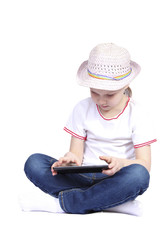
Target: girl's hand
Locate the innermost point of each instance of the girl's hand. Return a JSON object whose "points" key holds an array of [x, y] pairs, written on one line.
{"points": [[68, 159], [114, 165]]}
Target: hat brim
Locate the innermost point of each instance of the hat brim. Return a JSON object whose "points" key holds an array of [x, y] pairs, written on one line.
{"points": [[87, 81]]}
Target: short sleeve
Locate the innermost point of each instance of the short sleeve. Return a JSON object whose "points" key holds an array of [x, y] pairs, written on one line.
{"points": [[75, 123], [143, 133]]}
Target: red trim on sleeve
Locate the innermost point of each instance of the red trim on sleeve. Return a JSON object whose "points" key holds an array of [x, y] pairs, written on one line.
{"points": [[74, 134], [145, 144]]}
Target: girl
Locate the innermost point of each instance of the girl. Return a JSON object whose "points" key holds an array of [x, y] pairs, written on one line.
{"points": [[107, 127]]}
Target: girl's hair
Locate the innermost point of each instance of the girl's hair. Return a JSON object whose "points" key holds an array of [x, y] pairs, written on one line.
{"points": [[128, 92]]}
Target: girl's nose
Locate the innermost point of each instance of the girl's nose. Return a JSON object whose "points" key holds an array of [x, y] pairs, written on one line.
{"points": [[102, 101]]}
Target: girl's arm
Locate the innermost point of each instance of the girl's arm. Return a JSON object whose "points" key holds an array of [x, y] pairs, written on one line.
{"points": [[75, 154], [143, 157], [77, 148]]}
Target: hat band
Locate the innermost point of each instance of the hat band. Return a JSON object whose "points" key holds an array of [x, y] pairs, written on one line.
{"points": [[98, 76]]}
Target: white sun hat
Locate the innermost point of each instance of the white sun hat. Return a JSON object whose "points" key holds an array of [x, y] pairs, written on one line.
{"points": [[109, 67]]}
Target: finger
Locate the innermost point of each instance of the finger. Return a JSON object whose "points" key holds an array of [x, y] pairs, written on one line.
{"points": [[54, 173], [62, 160], [105, 158], [109, 172], [55, 164], [68, 161], [76, 162], [112, 164]]}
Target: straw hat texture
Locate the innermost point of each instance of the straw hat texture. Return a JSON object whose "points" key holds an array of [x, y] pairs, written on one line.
{"points": [[109, 67]]}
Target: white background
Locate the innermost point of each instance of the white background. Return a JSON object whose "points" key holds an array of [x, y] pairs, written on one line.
{"points": [[42, 44]]}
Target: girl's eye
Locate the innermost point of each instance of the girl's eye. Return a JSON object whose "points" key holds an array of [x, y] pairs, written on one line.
{"points": [[94, 93], [110, 95]]}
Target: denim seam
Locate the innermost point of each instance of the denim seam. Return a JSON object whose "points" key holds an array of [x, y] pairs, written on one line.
{"points": [[62, 201], [77, 189], [82, 175], [62, 197], [98, 208], [93, 177], [106, 207], [101, 182], [71, 190], [122, 201]]}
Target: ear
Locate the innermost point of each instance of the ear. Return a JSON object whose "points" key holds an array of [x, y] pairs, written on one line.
{"points": [[126, 87], [128, 91]]}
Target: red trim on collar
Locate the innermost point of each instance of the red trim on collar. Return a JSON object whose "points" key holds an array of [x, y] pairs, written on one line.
{"points": [[117, 115]]}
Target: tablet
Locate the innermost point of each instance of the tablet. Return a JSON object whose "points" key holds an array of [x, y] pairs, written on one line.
{"points": [[81, 169]]}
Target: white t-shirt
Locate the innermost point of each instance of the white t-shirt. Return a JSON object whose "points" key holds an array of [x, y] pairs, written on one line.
{"points": [[117, 136]]}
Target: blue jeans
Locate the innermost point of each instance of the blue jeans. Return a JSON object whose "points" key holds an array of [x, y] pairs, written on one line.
{"points": [[89, 192]]}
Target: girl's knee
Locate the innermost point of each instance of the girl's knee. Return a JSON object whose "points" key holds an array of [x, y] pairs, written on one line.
{"points": [[31, 163], [38, 164], [140, 175], [35, 164]]}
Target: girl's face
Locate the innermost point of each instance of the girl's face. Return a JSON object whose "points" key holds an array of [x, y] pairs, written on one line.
{"points": [[107, 100]]}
